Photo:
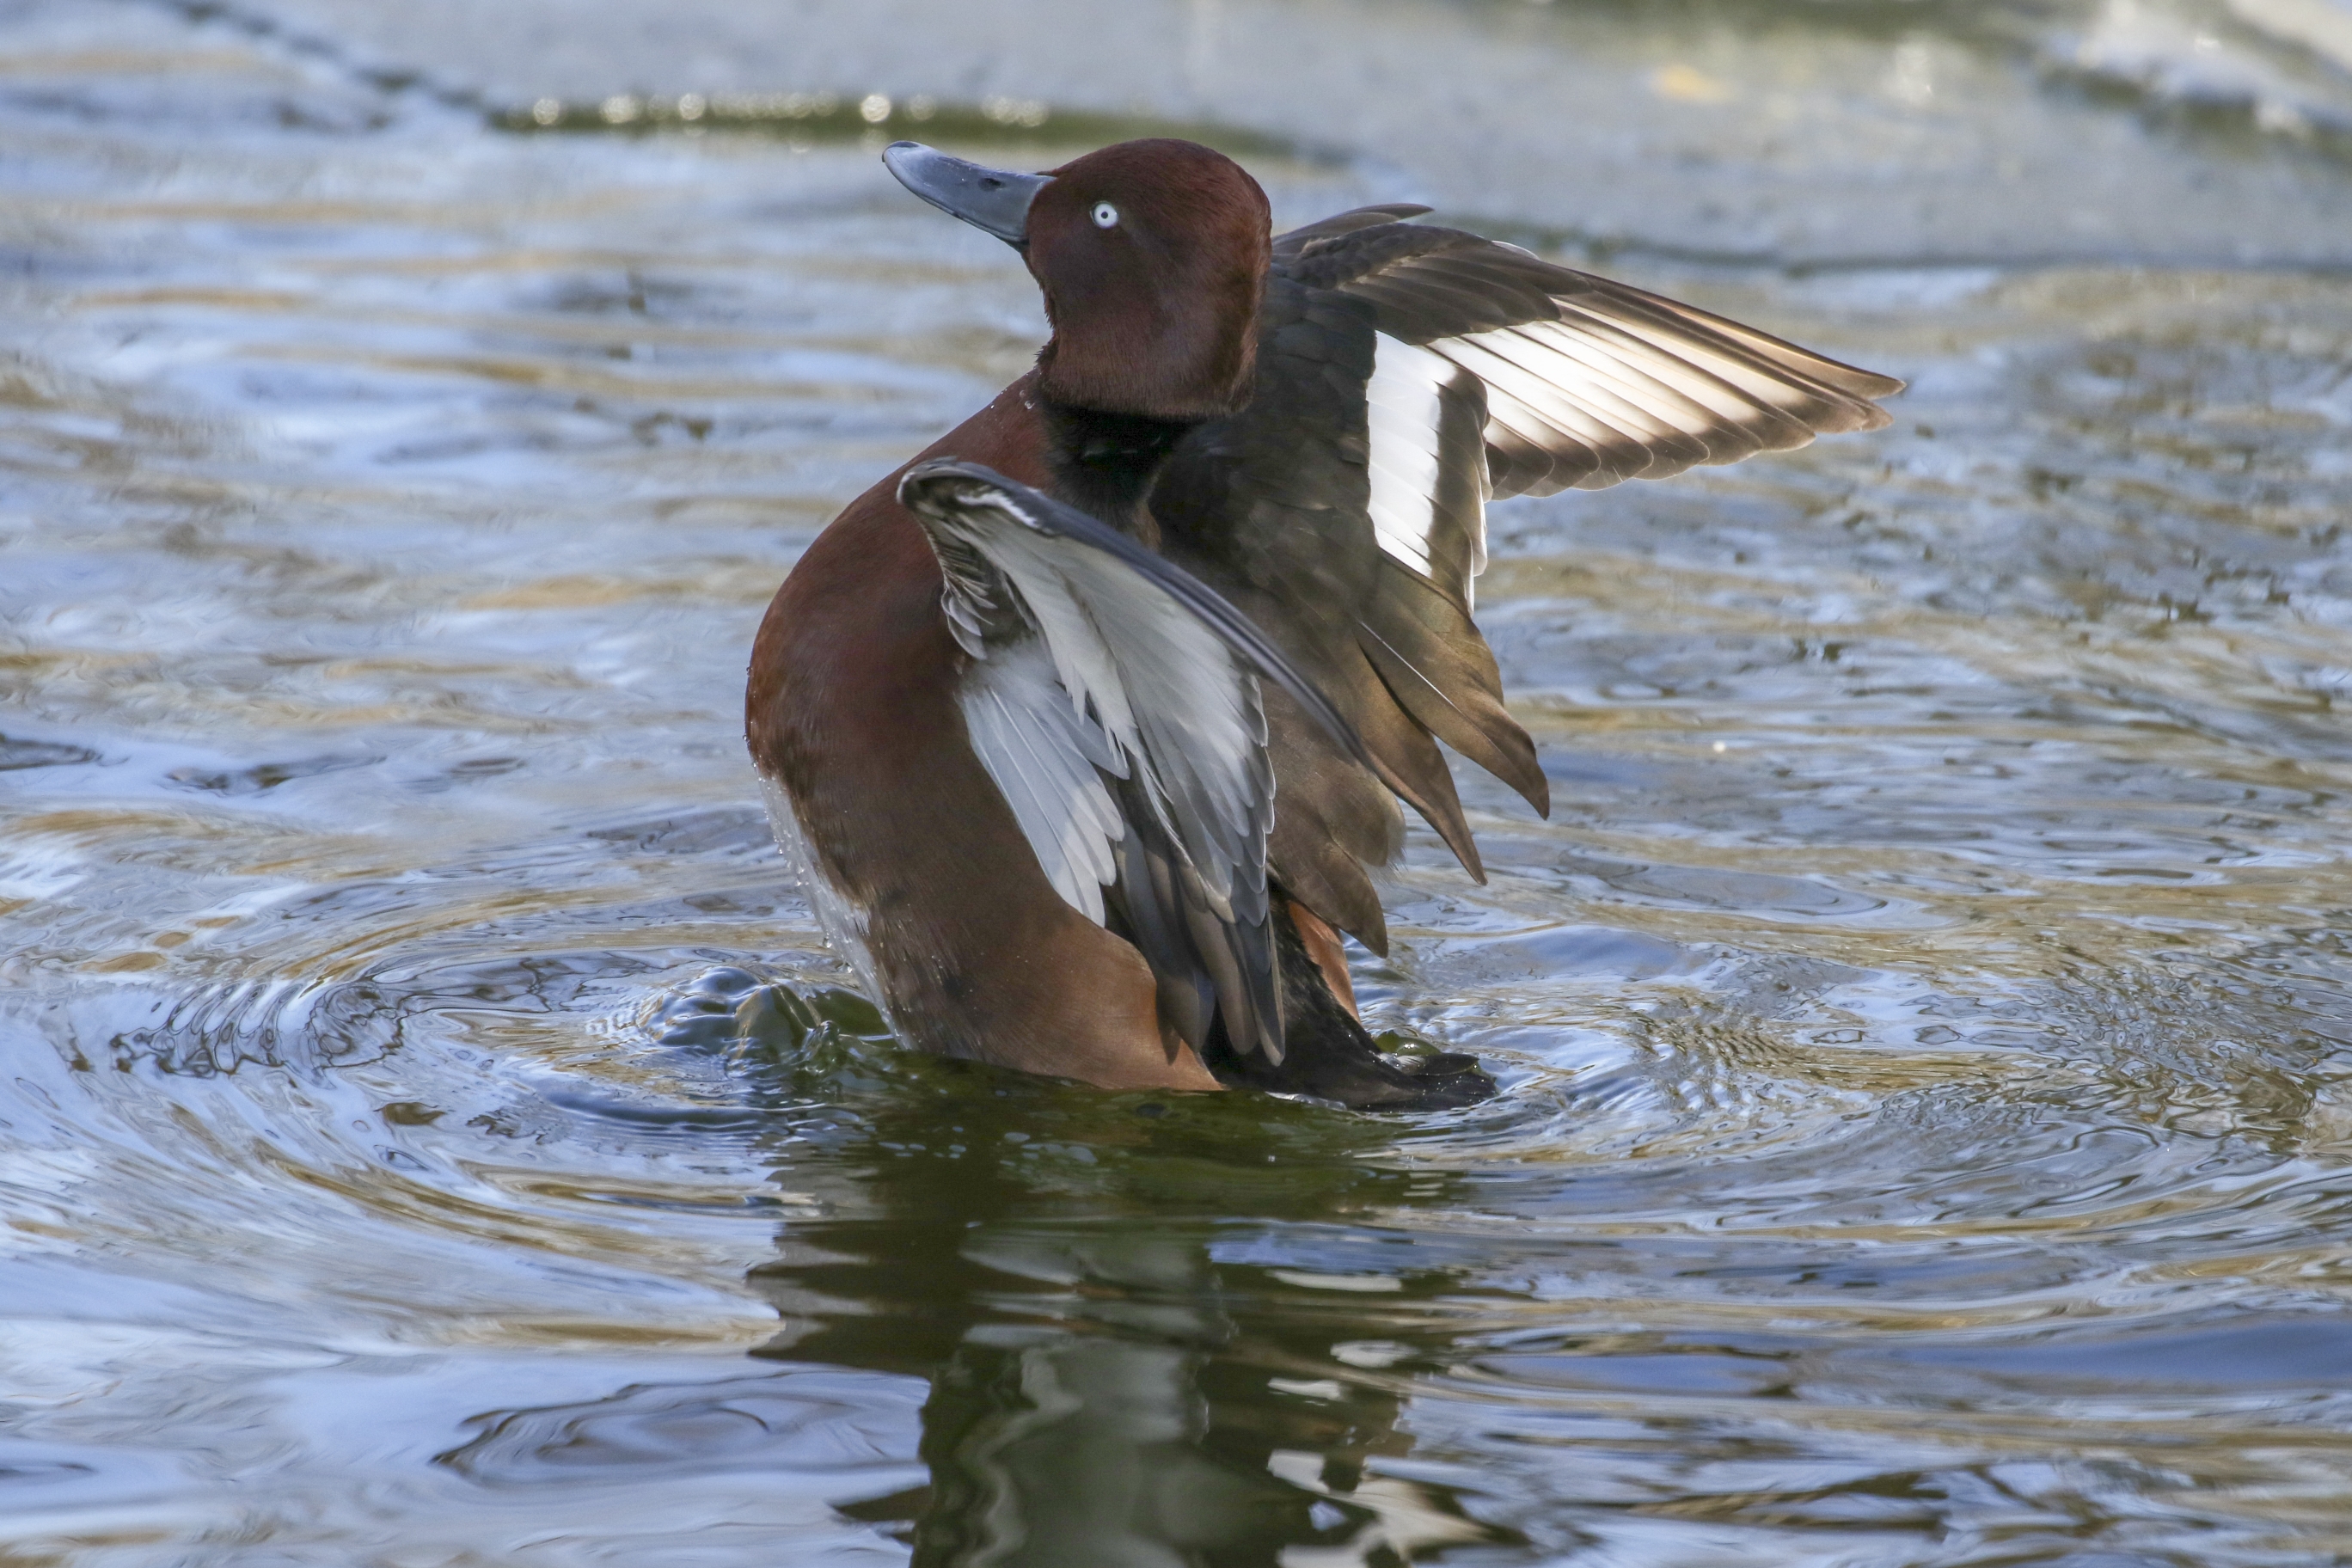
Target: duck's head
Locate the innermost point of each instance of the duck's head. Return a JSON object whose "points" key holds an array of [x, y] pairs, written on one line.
{"points": [[1153, 255]]}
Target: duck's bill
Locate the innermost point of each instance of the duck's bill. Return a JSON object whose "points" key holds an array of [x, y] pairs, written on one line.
{"points": [[993, 200]]}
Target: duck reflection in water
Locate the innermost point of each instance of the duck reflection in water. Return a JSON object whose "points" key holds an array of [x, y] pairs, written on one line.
{"points": [[1111, 1383], [1116, 1370]]}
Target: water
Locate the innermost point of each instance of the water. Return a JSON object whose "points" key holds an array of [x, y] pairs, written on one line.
{"points": [[434, 1132]]}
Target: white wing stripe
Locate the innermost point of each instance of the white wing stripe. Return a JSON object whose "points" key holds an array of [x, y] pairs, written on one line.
{"points": [[1588, 381], [1564, 357], [1402, 408], [1553, 406], [1168, 698], [1560, 384], [1829, 381], [1092, 826], [1709, 391], [1776, 389], [1011, 702]]}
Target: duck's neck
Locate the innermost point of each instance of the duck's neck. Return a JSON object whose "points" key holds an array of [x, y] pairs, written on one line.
{"points": [[1106, 463]]}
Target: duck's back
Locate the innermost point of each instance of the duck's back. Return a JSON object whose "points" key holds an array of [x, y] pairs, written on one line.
{"points": [[913, 860]]}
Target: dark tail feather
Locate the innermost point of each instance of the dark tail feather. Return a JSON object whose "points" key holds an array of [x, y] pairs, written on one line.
{"points": [[1328, 1054]]}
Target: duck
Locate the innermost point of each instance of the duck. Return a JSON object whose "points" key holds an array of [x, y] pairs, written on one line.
{"points": [[1089, 729]]}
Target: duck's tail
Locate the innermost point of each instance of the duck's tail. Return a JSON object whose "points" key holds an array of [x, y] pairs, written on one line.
{"points": [[1327, 1054]]}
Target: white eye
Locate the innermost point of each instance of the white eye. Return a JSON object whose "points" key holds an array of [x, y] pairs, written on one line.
{"points": [[1105, 215]]}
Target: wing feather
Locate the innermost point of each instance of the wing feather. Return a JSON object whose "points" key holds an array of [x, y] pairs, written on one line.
{"points": [[1621, 384], [1557, 354], [1344, 508], [1036, 749], [1288, 247], [1113, 700]]}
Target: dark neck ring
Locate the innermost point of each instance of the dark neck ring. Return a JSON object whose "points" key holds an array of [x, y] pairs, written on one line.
{"points": [[1107, 462]]}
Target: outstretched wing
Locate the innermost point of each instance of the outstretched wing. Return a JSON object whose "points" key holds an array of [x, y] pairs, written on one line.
{"points": [[1587, 381], [1406, 374], [1114, 700]]}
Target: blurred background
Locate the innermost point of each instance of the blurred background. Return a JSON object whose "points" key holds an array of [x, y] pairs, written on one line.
{"points": [[432, 1132]]}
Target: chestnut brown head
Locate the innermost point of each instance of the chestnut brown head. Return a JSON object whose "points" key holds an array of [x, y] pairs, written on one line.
{"points": [[1153, 255]]}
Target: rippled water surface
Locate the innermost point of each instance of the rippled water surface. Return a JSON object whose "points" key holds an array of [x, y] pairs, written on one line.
{"points": [[432, 1132]]}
